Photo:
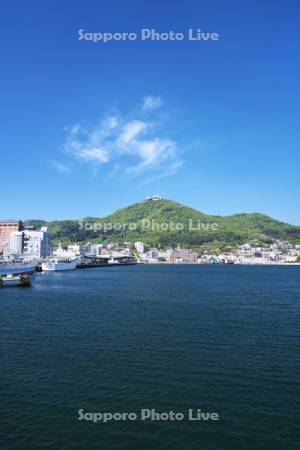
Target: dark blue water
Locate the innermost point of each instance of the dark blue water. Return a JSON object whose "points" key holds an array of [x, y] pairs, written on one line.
{"points": [[222, 339]]}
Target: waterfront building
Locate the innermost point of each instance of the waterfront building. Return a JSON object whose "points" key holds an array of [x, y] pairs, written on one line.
{"points": [[151, 255], [165, 254], [37, 244], [184, 256], [16, 242], [6, 228], [97, 249]]}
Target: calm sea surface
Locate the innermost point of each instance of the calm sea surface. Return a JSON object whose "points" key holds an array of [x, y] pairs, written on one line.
{"points": [[224, 339]]}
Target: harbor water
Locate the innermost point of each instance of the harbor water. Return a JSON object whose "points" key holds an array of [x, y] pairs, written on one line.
{"points": [[223, 339]]}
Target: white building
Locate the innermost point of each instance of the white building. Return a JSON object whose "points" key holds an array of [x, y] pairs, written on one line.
{"points": [[96, 249], [166, 254], [153, 198], [151, 255], [139, 246], [37, 244], [16, 242]]}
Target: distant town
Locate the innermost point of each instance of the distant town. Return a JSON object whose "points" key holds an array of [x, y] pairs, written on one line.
{"points": [[36, 245], [281, 252]]}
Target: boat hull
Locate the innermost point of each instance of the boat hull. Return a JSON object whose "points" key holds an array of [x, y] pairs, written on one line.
{"points": [[16, 280], [17, 269], [16, 274], [58, 266]]}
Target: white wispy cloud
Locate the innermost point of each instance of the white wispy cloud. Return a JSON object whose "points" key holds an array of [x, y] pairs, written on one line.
{"points": [[87, 145], [156, 154], [93, 154], [150, 102], [133, 145], [167, 173], [130, 131], [59, 166]]}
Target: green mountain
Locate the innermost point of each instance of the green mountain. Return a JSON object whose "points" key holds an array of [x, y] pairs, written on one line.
{"points": [[182, 225]]}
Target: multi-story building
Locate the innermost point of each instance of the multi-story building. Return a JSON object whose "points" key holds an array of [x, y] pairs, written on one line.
{"points": [[37, 244], [6, 228], [16, 242]]}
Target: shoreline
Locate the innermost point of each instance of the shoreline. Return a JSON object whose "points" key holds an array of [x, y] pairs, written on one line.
{"points": [[204, 264]]}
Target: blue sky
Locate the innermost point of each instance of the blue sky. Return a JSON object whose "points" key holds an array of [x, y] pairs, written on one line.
{"points": [[91, 127]]}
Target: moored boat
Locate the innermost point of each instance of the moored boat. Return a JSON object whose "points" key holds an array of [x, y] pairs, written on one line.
{"points": [[16, 273], [58, 264], [16, 280]]}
